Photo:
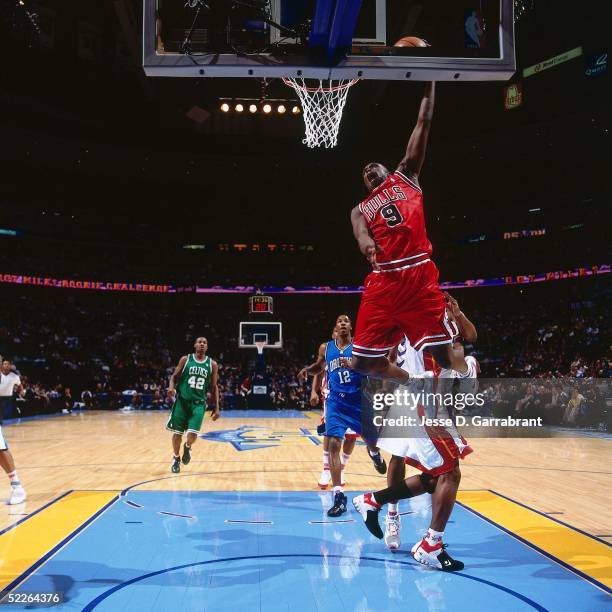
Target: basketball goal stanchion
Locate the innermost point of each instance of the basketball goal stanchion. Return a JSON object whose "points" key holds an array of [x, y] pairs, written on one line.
{"points": [[322, 104]]}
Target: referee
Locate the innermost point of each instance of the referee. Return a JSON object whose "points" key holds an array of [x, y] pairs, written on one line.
{"points": [[9, 383]]}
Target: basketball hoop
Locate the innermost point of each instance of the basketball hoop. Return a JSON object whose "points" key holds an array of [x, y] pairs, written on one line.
{"points": [[323, 105], [260, 346]]}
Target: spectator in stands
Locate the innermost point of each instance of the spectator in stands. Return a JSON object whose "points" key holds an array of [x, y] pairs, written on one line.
{"points": [[575, 408]]}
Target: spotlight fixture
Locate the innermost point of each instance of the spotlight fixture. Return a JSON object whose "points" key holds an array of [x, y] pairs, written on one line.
{"points": [[253, 105]]}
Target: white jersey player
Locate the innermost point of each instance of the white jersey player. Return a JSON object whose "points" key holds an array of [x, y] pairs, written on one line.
{"points": [[426, 452]]}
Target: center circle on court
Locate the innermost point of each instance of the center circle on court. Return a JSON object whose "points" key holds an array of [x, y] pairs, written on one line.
{"points": [[404, 583]]}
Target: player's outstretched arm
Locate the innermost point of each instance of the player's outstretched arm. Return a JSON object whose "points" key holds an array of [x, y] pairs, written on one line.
{"points": [[173, 379], [466, 328], [366, 243], [214, 390], [314, 368], [417, 145]]}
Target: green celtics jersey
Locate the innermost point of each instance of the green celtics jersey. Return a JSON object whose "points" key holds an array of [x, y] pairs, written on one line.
{"points": [[195, 378]]}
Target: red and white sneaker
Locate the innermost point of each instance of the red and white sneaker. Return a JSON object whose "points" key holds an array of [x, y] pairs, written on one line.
{"points": [[435, 556], [369, 509], [392, 531], [324, 479]]}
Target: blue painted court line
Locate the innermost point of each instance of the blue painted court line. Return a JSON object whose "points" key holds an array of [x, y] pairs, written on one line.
{"points": [[263, 414], [552, 518], [208, 564], [312, 437], [24, 577], [31, 514]]}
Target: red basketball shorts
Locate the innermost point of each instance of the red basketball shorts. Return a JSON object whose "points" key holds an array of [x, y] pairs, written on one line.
{"points": [[397, 303]]}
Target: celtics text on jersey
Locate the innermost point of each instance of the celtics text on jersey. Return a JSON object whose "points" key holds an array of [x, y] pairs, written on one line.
{"points": [[195, 379]]}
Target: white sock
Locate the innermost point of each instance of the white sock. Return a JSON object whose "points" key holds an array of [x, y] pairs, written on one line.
{"points": [[14, 479], [326, 460], [433, 537], [373, 454], [393, 508], [338, 488], [345, 459]]}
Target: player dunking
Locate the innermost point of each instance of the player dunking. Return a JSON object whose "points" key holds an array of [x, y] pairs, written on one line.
{"points": [[402, 297], [188, 389]]}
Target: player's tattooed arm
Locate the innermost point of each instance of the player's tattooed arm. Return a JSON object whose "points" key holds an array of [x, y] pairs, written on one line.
{"points": [[466, 328], [214, 390], [173, 379], [314, 368], [417, 144], [366, 243]]}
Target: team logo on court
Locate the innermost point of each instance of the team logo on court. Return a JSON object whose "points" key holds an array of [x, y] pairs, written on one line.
{"points": [[248, 437]]}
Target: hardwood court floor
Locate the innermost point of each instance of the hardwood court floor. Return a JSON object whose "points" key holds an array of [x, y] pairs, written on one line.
{"points": [[569, 478]]}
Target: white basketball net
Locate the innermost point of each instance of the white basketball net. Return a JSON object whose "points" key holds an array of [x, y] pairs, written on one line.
{"points": [[322, 106]]}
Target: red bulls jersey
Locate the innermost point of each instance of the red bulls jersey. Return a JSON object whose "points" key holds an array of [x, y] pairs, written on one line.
{"points": [[394, 213]]}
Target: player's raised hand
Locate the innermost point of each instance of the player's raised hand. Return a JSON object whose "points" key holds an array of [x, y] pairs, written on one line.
{"points": [[314, 399], [453, 304]]}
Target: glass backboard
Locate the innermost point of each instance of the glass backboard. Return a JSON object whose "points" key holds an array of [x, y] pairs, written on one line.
{"points": [[471, 40]]}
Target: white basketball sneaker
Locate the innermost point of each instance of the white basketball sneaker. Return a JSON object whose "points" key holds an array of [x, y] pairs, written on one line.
{"points": [[18, 496], [324, 479], [392, 531]]}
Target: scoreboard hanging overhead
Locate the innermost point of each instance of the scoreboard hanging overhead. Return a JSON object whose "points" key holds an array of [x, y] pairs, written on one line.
{"points": [[260, 304]]}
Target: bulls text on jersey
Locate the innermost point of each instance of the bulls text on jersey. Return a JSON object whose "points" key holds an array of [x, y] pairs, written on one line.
{"points": [[385, 196]]}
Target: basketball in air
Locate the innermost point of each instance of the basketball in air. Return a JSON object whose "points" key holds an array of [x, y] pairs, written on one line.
{"points": [[410, 41]]}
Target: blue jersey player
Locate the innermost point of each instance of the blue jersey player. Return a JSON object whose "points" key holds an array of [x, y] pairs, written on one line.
{"points": [[343, 404]]}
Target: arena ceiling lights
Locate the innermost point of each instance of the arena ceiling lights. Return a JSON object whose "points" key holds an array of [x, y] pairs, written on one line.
{"points": [[252, 106]]}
